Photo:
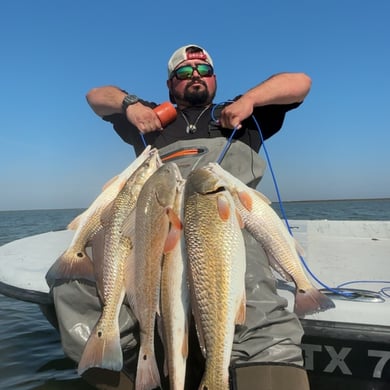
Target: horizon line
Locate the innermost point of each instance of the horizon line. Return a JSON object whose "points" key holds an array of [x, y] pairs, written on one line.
{"points": [[273, 201]]}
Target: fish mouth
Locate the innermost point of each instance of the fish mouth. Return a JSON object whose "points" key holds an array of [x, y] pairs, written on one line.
{"points": [[215, 191]]}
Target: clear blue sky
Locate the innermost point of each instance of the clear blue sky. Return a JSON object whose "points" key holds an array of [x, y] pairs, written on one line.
{"points": [[56, 153]]}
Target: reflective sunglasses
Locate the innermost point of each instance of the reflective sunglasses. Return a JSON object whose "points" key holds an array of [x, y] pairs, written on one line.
{"points": [[186, 72]]}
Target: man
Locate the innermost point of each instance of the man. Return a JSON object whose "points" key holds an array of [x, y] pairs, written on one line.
{"points": [[266, 352]]}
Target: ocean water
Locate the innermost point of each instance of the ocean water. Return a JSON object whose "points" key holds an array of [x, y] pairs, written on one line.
{"points": [[31, 356]]}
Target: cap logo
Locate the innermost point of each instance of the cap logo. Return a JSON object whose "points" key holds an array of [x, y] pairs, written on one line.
{"points": [[196, 56]]}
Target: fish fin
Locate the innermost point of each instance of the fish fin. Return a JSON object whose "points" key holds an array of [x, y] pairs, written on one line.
{"points": [[223, 207], [278, 268], [311, 301], [105, 216], [71, 266], [198, 327], [97, 244], [241, 312], [174, 233], [148, 376], [261, 196], [103, 350], [75, 223], [128, 226], [184, 346], [109, 182], [129, 281], [240, 220], [245, 199], [299, 248], [174, 219], [161, 333], [196, 315]]}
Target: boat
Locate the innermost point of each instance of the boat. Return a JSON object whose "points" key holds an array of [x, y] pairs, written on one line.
{"points": [[347, 347]]}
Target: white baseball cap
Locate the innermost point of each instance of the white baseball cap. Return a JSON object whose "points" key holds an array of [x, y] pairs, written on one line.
{"points": [[183, 54]]}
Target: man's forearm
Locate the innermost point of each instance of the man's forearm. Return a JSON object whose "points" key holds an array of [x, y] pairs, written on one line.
{"points": [[282, 88], [106, 100]]}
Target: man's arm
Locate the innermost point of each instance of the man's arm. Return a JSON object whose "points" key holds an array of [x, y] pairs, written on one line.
{"points": [[282, 88], [108, 100]]}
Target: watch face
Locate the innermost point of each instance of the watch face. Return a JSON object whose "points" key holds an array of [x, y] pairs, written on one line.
{"points": [[131, 99], [128, 101]]}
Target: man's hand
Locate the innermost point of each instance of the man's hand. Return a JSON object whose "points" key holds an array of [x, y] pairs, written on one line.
{"points": [[144, 118], [233, 114]]}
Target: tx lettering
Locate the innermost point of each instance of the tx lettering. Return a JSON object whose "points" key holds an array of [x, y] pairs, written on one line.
{"points": [[337, 359], [384, 357]]}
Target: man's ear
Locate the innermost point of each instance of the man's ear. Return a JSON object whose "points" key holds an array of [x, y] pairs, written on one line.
{"points": [[169, 85]]}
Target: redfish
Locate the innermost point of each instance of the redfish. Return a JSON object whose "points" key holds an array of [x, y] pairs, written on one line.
{"points": [[282, 249], [175, 306], [153, 217], [216, 258], [103, 347], [75, 263]]}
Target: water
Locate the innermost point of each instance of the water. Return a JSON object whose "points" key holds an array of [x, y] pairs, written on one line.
{"points": [[30, 351]]}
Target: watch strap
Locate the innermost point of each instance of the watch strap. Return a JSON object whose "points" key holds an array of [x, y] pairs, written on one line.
{"points": [[129, 100]]}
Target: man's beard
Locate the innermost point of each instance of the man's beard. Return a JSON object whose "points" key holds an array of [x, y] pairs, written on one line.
{"points": [[196, 97]]}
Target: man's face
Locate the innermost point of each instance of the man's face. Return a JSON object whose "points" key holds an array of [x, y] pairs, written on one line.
{"points": [[196, 90]]}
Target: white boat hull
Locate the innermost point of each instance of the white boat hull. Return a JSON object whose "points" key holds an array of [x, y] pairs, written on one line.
{"points": [[350, 343]]}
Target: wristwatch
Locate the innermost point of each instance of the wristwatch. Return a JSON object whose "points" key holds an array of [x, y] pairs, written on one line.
{"points": [[128, 101]]}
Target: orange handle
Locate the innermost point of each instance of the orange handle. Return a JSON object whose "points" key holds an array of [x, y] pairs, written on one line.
{"points": [[166, 112]]}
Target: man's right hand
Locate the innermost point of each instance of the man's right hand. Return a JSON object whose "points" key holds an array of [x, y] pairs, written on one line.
{"points": [[144, 118]]}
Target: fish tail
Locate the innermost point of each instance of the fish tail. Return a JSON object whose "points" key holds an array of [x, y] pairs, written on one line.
{"points": [[102, 350], [71, 265], [148, 376], [311, 301]]}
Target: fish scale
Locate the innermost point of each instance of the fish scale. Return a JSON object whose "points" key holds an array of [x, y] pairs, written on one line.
{"points": [[216, 256]]}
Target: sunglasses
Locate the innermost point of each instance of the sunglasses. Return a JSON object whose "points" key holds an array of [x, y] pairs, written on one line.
{"points": [[185, 72]]}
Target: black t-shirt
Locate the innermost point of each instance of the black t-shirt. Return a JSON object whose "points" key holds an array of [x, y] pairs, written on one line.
{"points": [[270, 119]]}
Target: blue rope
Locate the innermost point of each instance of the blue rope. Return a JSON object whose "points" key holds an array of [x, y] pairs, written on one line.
{"points": [[383, 291], [334, 290], [337, 290], [143, 139]]}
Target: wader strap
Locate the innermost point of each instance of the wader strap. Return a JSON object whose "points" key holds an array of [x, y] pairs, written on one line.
{"points": [[182, 153]]}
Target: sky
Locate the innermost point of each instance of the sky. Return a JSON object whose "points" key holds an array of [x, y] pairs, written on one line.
{"points": [[56, 153]]}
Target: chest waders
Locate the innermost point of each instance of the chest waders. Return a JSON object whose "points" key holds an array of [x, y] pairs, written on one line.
{"points": [[239, 159]]}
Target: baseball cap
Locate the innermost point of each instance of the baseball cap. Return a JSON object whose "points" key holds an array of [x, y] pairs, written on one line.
{"points": [[181, 55]]}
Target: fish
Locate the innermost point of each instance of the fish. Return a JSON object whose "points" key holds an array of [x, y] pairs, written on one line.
{"points": [[75, 263], [282, 249], [175, 306], [217, 264], [153, 217], [103, 347]]}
